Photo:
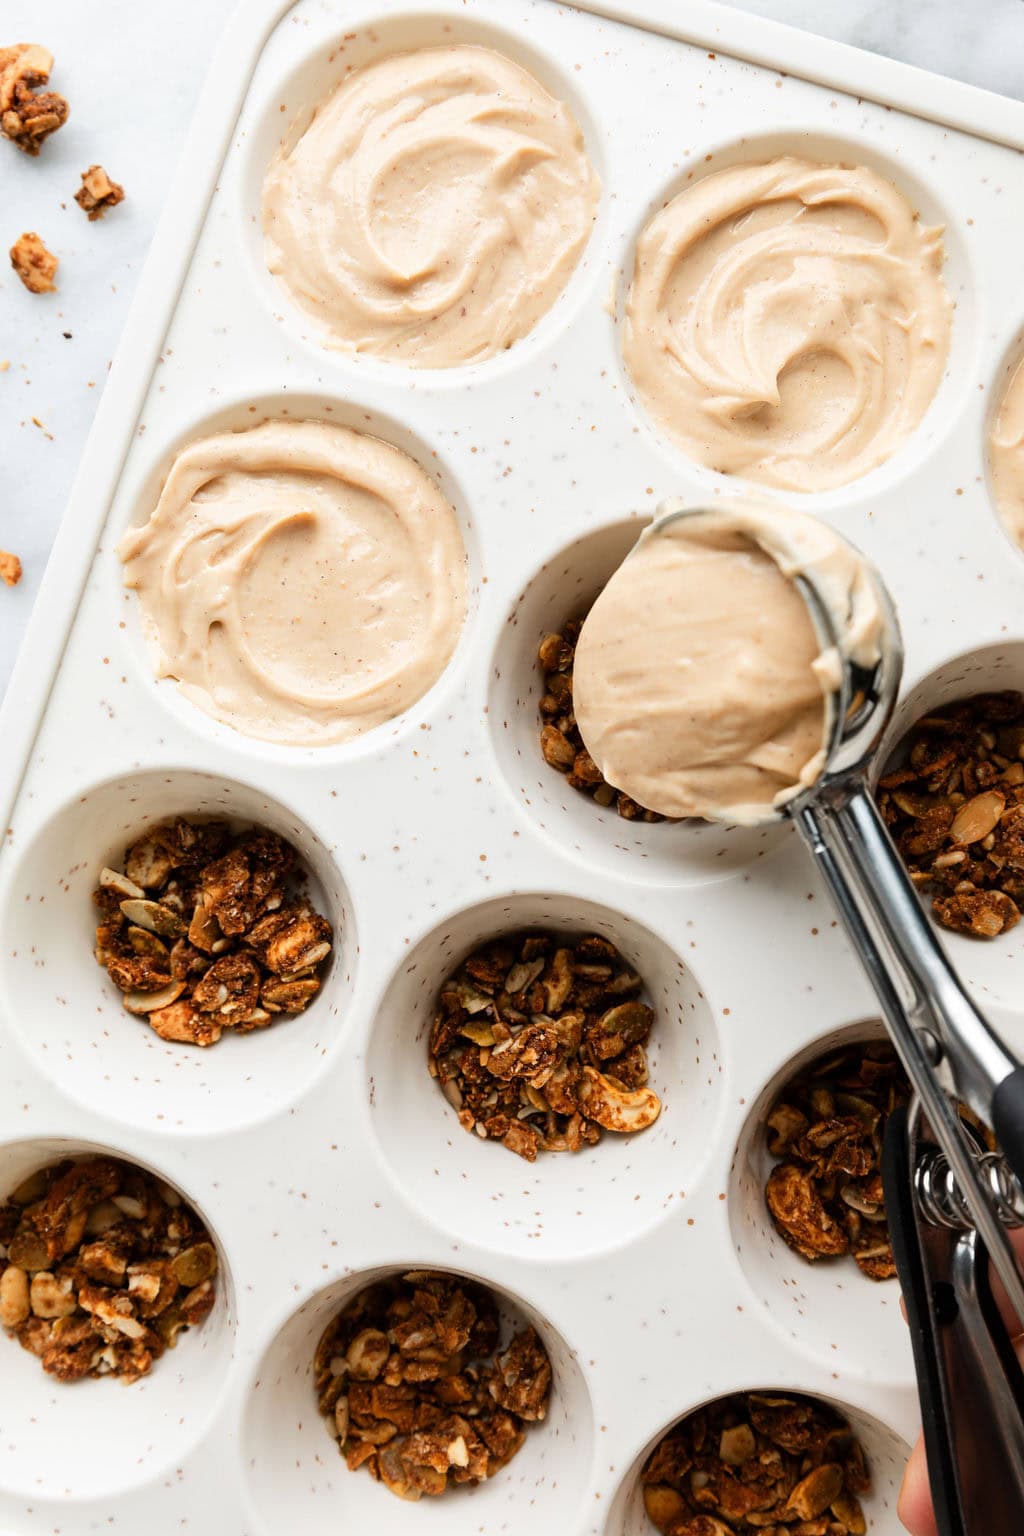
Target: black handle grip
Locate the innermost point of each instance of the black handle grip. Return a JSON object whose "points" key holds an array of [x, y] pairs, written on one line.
{"points": [[932, 1389], [1008, 1119]]}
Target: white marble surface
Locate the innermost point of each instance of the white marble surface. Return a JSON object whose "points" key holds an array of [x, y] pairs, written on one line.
{"points": [[132, 72]]}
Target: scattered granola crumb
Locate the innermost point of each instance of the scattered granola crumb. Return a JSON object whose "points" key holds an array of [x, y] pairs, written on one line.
{"points": [[560, 740], [98, 193], [955, 809], [827, 1127], [27, 115], [758, 1461], [539, 1042], [415, 1385], [204, 930], [103, 1266], [34, 264], [4, 365], [10, 568]]}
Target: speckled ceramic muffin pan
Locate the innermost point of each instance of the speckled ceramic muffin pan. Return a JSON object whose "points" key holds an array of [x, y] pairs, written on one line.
{"points": [[319, 1151]]}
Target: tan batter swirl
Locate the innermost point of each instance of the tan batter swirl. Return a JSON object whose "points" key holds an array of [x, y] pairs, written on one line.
{"points": [[1006, 455], [433, 210], [788, 321], [300, 581], [700, 684]]}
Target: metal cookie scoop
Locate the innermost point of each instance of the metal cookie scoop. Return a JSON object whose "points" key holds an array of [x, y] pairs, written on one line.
{"points": [[949, 1200]]}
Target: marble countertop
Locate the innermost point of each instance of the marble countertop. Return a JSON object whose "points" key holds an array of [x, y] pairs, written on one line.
{"points": [[117, 58]]}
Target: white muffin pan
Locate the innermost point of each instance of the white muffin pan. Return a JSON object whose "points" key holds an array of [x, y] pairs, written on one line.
{"points": [[319, 1151]]}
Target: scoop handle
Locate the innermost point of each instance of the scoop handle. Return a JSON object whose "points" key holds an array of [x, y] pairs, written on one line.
{"points": [[930, 1017]]}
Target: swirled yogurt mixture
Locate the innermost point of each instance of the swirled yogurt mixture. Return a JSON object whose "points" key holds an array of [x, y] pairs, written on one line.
{"points": [[1006, 455], [788, 321], [434, 208], [300, 581], [700, 685]]}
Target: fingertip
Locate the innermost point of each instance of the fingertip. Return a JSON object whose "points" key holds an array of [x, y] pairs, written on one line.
{"points": [[915, 1508]]}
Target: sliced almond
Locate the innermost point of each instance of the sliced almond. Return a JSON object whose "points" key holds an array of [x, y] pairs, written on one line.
{"points": [[977, 817], [522, 974], [914, 805], [736, 1445], [815, 1492], [144, 942], [113, 880], [148, 1002], [148, 862], [309, 958], [154, 916], [204, 929]]}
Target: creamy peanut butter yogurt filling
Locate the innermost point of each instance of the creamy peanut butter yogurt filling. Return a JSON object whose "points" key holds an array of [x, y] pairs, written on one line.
{"points": [[302, 582], [433, 210], [788, 321], [701, 686], [1006, 455]]}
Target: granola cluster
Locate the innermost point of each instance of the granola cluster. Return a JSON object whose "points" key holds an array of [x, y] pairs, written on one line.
{"points": [[28, 115], [827, 1127], [204, 930], [34, 263], [415, 1387], [781, 1466], [10, 568], [538, 1042], [560, 738], [955, 809], [98, 193], [101, 1267]]}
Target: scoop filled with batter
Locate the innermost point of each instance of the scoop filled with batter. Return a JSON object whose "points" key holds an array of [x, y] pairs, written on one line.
{"points": [[433, 210], [701, 685], [788, 321], [302, 582], [1006, 455]]}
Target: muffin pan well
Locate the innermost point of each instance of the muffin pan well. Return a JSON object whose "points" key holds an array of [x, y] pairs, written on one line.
{"points": [[95, 1439], [295, 1471], [319, 1151]]}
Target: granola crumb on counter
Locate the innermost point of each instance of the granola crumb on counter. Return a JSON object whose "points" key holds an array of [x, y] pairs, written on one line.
{"points": [[758, 1461], [34, 264], [560, 740], [539, 1042], [101, 1267], [416, 1386], [955, 809], [27, 114], [10, 568], [98, 193], [827, 1128], [205, 929]]}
